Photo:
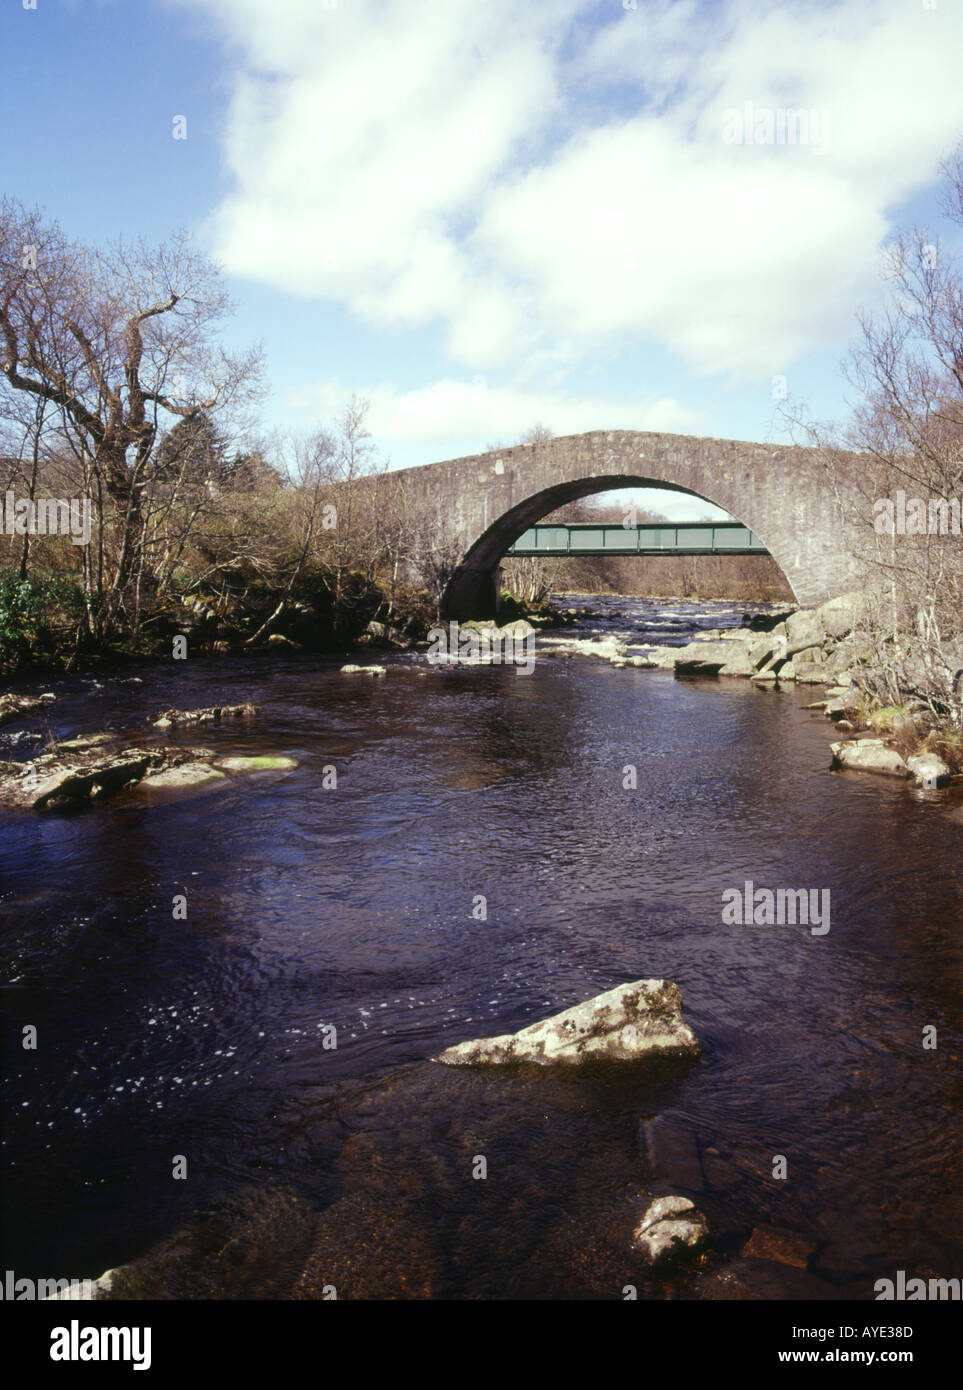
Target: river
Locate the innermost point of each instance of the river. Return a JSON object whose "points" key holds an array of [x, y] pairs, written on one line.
{"points": [[309, 905]]}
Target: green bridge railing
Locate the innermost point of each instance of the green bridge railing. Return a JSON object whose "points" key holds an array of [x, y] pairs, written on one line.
{"points": [[612, 538]]}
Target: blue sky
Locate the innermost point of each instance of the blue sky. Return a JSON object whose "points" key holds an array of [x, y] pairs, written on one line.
{"points": [[483, 215]]}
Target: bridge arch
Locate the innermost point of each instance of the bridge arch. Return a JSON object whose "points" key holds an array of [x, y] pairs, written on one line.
{"points": [[472, 588], [778, 491]]}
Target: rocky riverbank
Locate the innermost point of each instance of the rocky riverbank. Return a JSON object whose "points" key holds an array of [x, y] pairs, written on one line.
{"points": [[807, 647], [817, 647]]}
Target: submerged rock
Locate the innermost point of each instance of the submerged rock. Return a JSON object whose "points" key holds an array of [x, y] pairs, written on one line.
{"points": [[351, 670], [639, 1020], [671, 1152], [780, 1246], [671, 1227]]}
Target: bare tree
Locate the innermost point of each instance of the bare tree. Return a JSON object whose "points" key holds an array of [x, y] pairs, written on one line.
{"points": [[117, 341], [537, 434], [898, 504], [312, 461]]}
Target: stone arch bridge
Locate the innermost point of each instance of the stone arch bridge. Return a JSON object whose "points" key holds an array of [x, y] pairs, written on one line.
{"points": [[478, 506]]}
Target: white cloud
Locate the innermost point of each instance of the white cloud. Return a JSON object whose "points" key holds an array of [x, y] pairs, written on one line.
{"points": [[447, 411], [528, 174]]}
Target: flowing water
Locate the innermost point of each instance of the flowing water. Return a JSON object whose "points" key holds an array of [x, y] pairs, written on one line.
{"points": [[356, 905]]}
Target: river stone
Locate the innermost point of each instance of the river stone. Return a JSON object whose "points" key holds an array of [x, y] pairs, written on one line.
{"points": [[662, 658], [519, 628], [842, 706], [760, 651], [384, 635], [839, 616], [202, 716], [186, 775], [742, 666], [708, 658], [603, 648], [803, 630], [809, 671], [64, 777], [928, 770], [263, 763], [93, 778], [841, 659], [633, 1021], [350, 670], [670, 1227], [869, 755], [768, 673]]}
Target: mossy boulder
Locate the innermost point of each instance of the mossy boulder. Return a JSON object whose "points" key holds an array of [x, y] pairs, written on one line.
{"points": [[259, 763]]}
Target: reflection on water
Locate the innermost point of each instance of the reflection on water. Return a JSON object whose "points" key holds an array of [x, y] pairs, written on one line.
{"points": [[310, 907]]}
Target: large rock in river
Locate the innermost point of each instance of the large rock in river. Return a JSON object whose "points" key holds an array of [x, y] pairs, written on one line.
{"points": [[870, 755], [708, 658], [201, 716], [639, 1020]]}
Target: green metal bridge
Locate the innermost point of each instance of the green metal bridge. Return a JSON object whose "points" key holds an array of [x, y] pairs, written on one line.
{"points": [[614, 538]]}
